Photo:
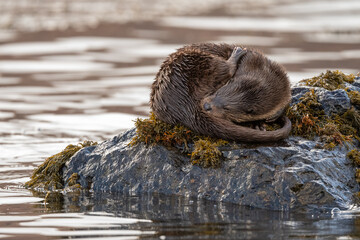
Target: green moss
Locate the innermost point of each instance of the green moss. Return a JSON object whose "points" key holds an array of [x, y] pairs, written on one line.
{"points": [[49, 174], [309, 120], [306, 116], [206, 153], [354, 97], [73, 181], [354, 156], [154, 131], [331, 80], [357, 175], [332, 136]]}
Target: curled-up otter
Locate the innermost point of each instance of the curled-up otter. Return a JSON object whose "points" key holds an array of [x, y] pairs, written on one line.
{"points": [[213, 88]]}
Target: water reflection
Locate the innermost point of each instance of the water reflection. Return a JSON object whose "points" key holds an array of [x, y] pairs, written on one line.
{"points": [[174, 217]]}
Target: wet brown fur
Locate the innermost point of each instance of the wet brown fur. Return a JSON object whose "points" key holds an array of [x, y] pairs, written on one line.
{"points": [[196, 72], [259, 90]]}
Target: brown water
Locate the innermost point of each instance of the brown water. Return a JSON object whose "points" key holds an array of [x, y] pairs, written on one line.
{"points": [[71, 71]]}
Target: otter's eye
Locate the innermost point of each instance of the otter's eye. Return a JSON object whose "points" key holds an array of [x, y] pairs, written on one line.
{"points": [[249, 111]]}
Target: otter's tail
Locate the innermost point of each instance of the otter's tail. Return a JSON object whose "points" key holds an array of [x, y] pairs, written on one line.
{"points": [[229, 130]]}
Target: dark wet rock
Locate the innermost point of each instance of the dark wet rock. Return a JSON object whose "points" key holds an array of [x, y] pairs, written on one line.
{"points": [[353, 87], [357, 82], [334, 102], [293, 174], [298, 92]]}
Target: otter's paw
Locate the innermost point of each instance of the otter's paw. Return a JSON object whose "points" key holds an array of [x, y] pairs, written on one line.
{"points": [[259, 126]]}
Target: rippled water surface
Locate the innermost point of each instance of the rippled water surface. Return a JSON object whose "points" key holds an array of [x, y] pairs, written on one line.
{"points": [[76, 70]]}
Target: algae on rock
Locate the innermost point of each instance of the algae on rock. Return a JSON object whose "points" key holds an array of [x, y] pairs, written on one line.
{"points": [[331, 80], [206, 152], [309, 119], [140, 166], [154, 131], [49, 174]]}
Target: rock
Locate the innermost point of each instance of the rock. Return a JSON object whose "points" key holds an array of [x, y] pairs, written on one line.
{"points": [[334, 102], [298, 92], [357, 82], [295, 175], [353, 87]]}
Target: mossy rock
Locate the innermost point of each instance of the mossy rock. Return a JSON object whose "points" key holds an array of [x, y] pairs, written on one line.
{"points": [[48, 175], [309, 119], [330, 80], [354, 156], [204, 150], [307, 115]]}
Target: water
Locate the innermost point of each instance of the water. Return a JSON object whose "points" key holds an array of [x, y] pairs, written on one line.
{"points": [[70, 72]]}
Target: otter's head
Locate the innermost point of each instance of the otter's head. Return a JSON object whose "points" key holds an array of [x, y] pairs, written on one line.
{"points": [[238, 101], [245, 99], [259, 90]]}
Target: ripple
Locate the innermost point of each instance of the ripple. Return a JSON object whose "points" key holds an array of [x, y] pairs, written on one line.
{"points": [[251, 40], [55, 232], [140, 70], [84, 123], [81, 220], [71, 44], [35, 66], [4, 115], [9, 80], [17, 200], [270, 24], [89, 224], [316, 7]]}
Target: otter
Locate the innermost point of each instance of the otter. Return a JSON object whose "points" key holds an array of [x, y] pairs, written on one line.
{"points": [[210, 88]]}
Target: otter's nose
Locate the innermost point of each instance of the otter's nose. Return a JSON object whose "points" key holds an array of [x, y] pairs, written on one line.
{"points": [[207, 106]]}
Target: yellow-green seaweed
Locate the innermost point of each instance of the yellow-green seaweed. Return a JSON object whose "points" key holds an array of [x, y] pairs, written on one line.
{"points": [[306, 116], [154, 131], [330, 80], [354, 97], [49, 174], [206, 152], [357, 175], [73, 181], [309, 120], [354, 156]]}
